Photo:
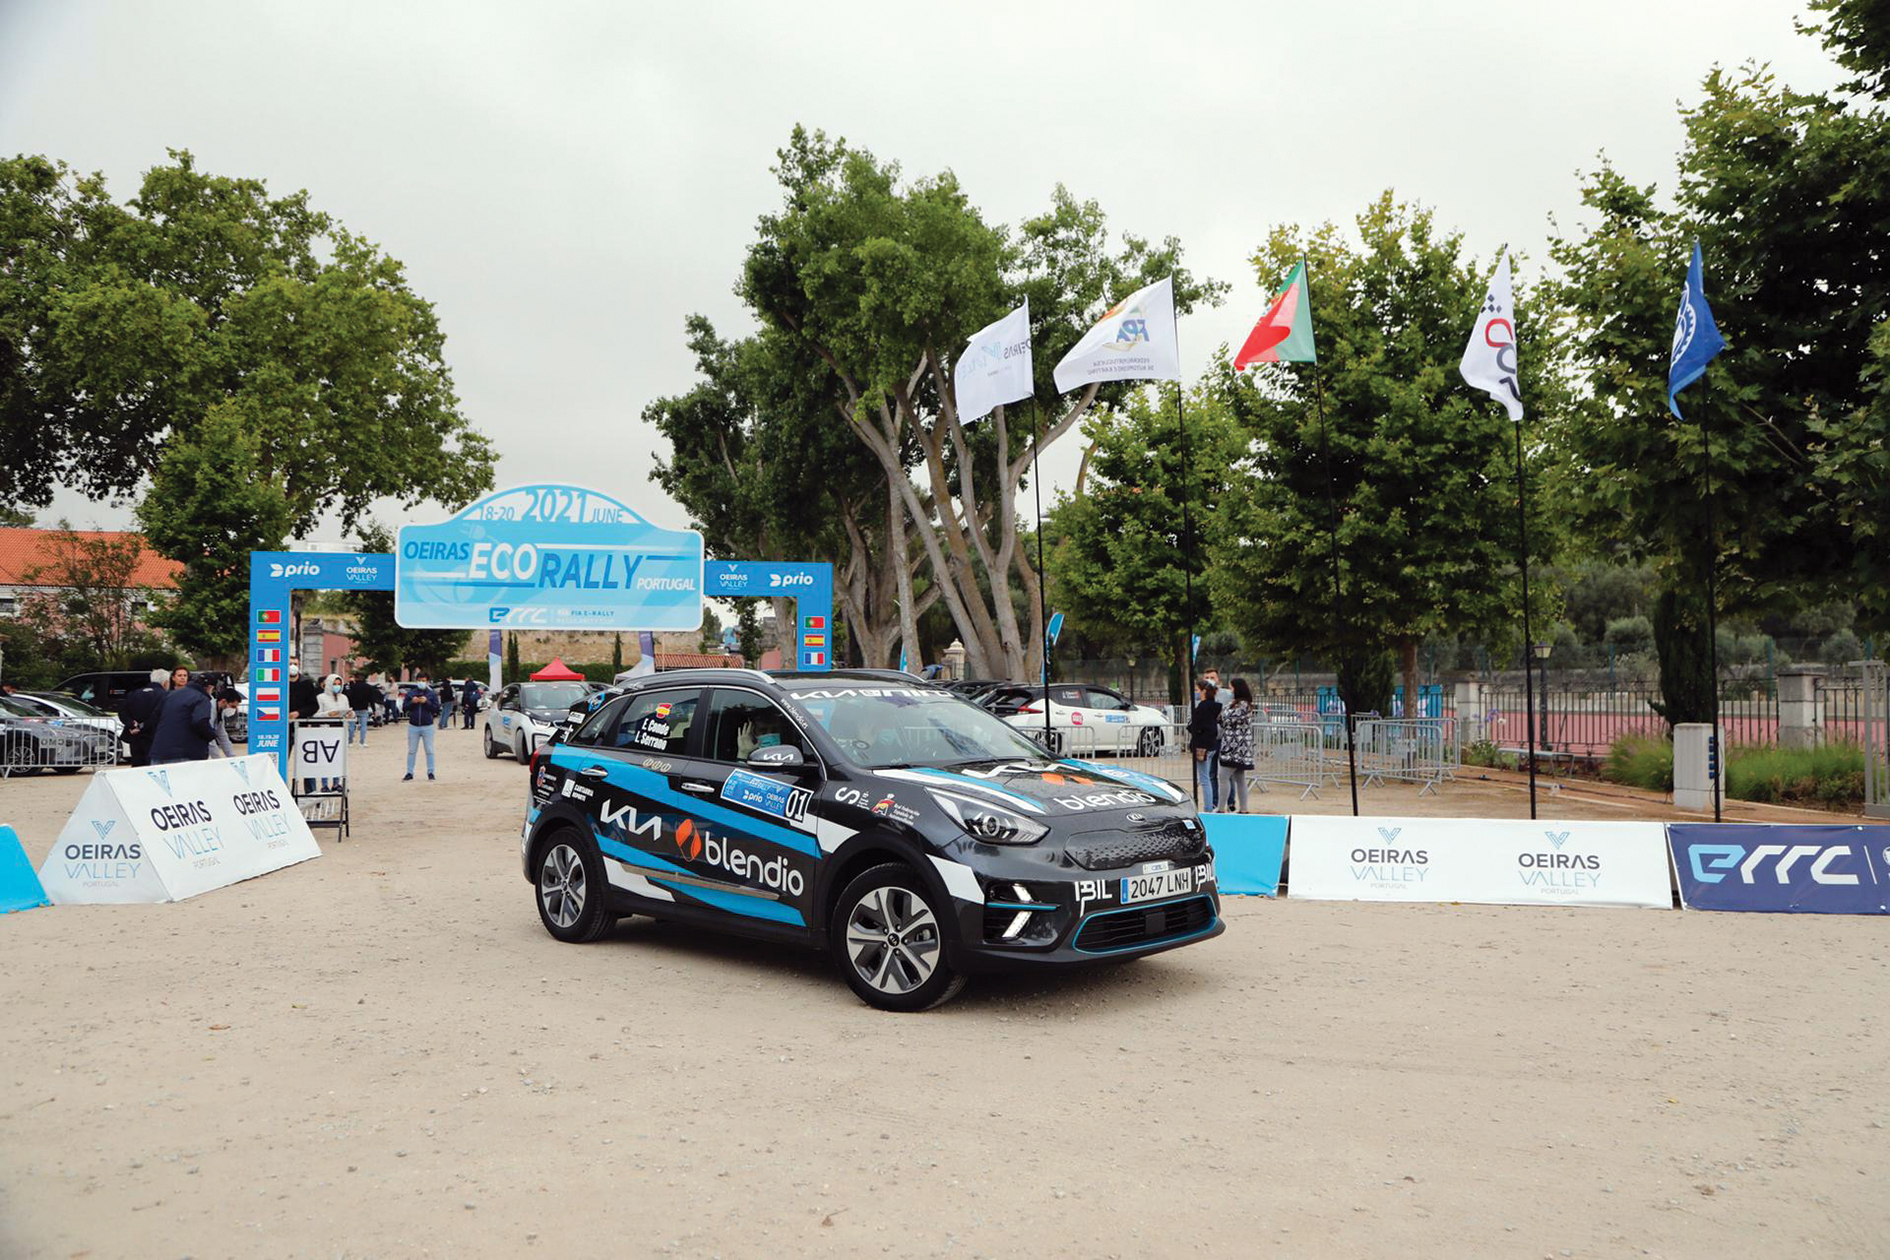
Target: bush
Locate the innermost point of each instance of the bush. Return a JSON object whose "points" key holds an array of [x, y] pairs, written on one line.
{"points": [[1641, 761], [1829, 776], [1630, 635]]}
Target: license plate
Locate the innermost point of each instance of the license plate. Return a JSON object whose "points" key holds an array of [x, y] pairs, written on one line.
{"points": [[1158, 884]]}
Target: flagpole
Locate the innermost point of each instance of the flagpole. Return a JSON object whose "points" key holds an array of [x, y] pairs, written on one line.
{"points": [[1712, 603], [1338, 592], [1187, 556], [1528, 647], [1043, 577]]}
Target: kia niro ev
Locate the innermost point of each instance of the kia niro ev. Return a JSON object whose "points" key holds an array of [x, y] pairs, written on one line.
{"points": [[912, 834]]}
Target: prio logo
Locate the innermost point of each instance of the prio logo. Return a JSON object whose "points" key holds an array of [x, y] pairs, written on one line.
{"points": [[1712, 862], [307, 568]]}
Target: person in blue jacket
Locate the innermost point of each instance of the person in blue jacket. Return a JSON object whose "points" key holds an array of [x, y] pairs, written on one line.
{"points": [[423, 710], [186, 724]]}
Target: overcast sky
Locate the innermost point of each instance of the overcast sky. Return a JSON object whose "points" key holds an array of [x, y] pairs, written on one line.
{"points": [[567, 182]]}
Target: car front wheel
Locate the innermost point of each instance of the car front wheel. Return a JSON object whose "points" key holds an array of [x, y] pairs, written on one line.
{"points": [[888, 938], [1149, 742], [573, 899], [491, 746]]}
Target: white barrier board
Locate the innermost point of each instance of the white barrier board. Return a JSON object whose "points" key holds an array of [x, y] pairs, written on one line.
{"points": [[170, 832], [1496, 861]]}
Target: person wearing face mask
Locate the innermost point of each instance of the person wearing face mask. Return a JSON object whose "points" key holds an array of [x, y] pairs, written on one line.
{"points": [[229, 700], [332, 702]]}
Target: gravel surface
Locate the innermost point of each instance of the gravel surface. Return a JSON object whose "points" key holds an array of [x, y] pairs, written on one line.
{"points": [[381, 1053]]}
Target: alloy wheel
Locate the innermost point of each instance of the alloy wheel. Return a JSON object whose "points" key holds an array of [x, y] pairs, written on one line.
{"points": [[893, 939], [561, 885]]}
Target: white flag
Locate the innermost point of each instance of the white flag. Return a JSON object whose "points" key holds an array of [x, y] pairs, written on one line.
{"points": [[1489, 361], [995, 366], [1135, 341]]}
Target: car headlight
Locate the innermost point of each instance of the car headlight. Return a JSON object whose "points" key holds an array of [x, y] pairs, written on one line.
{"points": [[993, 824]]}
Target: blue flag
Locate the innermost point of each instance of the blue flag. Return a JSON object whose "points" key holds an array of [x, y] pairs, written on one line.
{"points": [[1696, 338], [1056, 627]]}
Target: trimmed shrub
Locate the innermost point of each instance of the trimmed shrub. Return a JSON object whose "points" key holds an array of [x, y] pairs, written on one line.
{"points": [[1829, 776], [1641, 761]]}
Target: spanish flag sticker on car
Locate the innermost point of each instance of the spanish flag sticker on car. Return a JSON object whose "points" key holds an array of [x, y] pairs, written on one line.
{"points": [[662, 710]]}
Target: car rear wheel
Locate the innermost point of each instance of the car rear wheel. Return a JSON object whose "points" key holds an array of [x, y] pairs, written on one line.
{"points": [[888, 938], [1149, 742], [491, 746], [573, 895], [518, 751]]}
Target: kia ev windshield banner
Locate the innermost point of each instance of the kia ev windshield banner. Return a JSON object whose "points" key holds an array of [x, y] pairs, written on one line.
{"points": [[1815, 869], [550, 557], [1486, 860]]}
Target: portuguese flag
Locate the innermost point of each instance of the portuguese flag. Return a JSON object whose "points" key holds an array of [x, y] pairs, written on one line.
{"points": [[1284, 333]]}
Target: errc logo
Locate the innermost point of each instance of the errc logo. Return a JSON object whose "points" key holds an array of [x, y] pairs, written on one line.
{"points": [[1711, 863]]}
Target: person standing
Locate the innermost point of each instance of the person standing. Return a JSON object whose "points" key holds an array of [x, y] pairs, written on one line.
{"points": [[363, 697], [302, 694], [185, 724], [229, 700], [1204, 739], [180, 678], [139, 712], [469, 702], [423, 710], [449, 701], [1236, 753]]}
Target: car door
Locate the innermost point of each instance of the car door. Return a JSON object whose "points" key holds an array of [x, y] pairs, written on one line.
{"points": [[505, 717], [624, 769], [1113, 716], [1070, 714], [757, 826]]}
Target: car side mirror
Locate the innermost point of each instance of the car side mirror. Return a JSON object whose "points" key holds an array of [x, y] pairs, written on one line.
{"points": [[777, 757]]}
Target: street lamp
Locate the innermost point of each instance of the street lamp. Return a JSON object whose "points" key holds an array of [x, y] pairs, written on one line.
{"points": [[1540, 651]]}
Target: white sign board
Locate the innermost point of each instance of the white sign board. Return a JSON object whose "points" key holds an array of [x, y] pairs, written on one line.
{"points": [[1494, 861], [320, 751], [170, 832]]}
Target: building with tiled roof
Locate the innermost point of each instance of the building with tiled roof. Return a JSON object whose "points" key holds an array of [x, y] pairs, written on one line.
{"points": [[24, 552]]}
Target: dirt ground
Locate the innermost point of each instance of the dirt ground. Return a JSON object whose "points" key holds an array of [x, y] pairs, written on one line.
{"points": [[381, 1053]]}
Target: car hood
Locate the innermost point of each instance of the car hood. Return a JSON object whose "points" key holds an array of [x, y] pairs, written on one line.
{"points": [[1063, 791]]}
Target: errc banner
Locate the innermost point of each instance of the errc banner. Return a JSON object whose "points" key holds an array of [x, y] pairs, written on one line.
{"points": [[1817, 869]]}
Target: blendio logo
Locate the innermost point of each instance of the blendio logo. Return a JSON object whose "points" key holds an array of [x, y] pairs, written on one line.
{"points": [[1104, 800], [695, 844]]}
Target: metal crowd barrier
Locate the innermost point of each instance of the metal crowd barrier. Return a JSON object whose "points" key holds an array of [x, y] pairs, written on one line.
{"points": [[1411, 750], [29, 747], [1292, 754]]}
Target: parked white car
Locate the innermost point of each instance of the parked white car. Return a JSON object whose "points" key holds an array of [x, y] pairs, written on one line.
{"points": [[524, 715], [1083, 719], [73, 711]]}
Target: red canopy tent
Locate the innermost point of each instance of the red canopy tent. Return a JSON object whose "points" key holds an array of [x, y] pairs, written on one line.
{"points": [[557, 671]]}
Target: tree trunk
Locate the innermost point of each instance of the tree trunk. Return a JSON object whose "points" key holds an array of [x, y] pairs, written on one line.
{"points": [[1407, 649]]}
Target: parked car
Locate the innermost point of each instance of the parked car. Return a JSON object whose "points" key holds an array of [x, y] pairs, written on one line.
{"points": [[915, 836], [30, 742], [107, 689], [525, 715], [54, 704], [1107, 720]]}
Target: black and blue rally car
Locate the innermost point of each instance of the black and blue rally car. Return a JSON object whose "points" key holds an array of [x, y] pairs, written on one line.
{"points": [[911, 833]]}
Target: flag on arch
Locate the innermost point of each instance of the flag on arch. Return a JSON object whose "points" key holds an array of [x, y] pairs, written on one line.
{"points": [[1135, 340], [1696, 339], [1489, 361], [1284, 334]]}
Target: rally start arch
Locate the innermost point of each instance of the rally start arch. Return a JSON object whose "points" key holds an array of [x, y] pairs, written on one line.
{"points": [[536, 557]]}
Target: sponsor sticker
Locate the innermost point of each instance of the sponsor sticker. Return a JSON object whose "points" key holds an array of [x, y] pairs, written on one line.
{"points": [[767, 796]]}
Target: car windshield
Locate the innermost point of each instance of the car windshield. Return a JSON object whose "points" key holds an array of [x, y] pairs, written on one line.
{"points": [[552, 695], [15, 708], [882, 725]]}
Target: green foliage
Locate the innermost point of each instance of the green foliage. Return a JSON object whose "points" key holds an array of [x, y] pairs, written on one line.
{"points": [[1787, 194], [748, 630], [1630, 634], [126, 329], [1857, 33], [12, 517], [90, 595], [1640, 761], [1422, 469], [711, 635], [210, 506], [616, 654], [512, 672], [1123, 562], [1828, 776]]}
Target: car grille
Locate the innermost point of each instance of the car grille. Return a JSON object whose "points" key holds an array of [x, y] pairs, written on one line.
{"points": [[1144, 925], [1170, 841]]}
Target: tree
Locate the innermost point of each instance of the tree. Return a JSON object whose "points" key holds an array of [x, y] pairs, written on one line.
{"points": [[1123, 562], [616, 654], [513, 671], [124, 328], [1857, 33], [210, 506], [12, 517], [1422, 468], [748, 632], [91, 594], [711, 640], [883, 282], [767, 474], [378, 639]]}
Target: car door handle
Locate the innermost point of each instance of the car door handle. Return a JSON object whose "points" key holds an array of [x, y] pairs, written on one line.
{"points": [[593, 772], [700, 789]]}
